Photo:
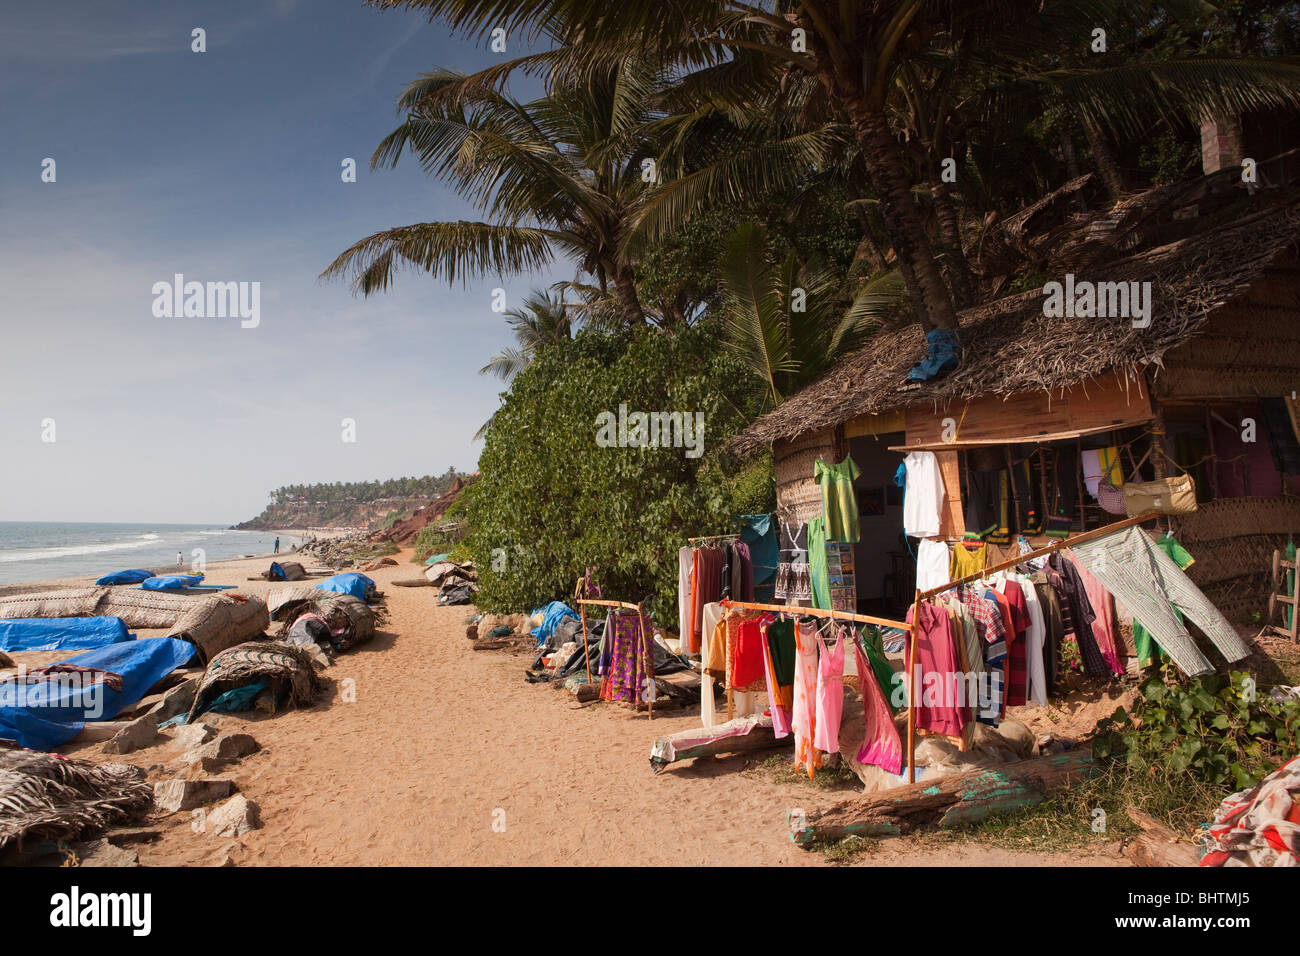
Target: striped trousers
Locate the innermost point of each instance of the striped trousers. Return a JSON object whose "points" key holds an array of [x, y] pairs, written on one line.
{"points": [[1141, 575]]}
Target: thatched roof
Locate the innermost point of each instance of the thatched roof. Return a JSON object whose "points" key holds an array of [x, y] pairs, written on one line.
{"points": [[1011, 347]]}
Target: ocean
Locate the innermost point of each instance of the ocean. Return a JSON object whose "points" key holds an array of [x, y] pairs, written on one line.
{"points": [[37, 550]]}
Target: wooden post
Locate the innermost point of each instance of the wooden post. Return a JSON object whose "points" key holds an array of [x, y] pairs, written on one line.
{"points": [[586, 653], [911, 687], [647, 658], [1083, 484]]}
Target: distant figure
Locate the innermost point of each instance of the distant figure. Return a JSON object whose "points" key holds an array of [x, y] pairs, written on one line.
{"points": [[277, 545], [180, 562]]}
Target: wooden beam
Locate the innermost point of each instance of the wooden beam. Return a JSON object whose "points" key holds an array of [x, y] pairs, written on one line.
{"points": [[948, 801]]}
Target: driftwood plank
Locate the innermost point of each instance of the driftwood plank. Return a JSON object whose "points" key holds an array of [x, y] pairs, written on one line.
{"points": [[1157, 845], [949, 801]]}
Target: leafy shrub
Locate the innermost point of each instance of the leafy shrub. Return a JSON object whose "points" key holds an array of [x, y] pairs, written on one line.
{"points": [[552, 502], [1215, 728]]}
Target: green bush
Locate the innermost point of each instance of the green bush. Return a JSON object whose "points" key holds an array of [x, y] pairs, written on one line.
{"points": [[1214, 728], [552, 502]]}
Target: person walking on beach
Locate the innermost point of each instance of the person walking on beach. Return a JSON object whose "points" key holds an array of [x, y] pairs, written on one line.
{"points": [[277, 544], [180, 562]]}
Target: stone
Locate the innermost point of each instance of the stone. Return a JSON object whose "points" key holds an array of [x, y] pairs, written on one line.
{"points": [[227, 747], [191, 736], [177, 700], [103, 853], [234, 818], [170, 796], [140, 732], [128, 835]]}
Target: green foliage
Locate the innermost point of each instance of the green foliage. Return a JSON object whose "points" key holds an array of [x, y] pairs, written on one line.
{"points": [[1169, 158], [552, 502], [1213, 728], [363, 492]]}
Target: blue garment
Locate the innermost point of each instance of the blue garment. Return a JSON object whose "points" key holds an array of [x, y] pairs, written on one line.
{"points": [[552, 615], [277, 572], [759, 533], [43, 715], [61, 633], [172, 582], [133, 576], [943, 354], [358, 585]]}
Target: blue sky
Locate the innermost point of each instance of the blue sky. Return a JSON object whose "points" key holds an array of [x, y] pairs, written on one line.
{"points": [[223, 166]]}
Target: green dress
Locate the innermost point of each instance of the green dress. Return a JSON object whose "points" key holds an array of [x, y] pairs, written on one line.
{"points": [[839, 502], [1143, 642], [817, 568]]}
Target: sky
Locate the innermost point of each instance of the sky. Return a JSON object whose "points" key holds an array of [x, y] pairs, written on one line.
{"points": [[223, 166]]}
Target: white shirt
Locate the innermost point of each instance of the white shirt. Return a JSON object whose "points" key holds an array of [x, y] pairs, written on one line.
{"points": [[924, 495], [931, 563]]}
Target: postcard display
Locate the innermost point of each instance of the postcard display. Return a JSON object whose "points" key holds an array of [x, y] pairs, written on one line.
{"points": [[843, 578]]}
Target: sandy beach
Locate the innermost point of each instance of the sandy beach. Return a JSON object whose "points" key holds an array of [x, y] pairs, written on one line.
{"points": [[422, 751]]}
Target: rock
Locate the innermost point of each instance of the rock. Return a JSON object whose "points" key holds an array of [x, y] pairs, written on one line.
{"points": [[234, 818], [178, 700], [128, 835], [225, 748], [318, 656], [172, 795], [103, 853], [140, 732], [190, 736], [6, 660]]}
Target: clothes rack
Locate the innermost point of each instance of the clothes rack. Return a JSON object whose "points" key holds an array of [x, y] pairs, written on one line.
{"points": [[646, 653], [909, 629]]}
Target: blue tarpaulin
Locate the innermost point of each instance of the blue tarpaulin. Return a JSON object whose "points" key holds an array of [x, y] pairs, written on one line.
{"points": [[61, 633], [45, 714], [552, 614], [172, 582], [133, 576], [358, 585]]}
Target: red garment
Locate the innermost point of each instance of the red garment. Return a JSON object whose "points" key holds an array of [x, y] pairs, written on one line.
{"points": [[936, 670], [706, 588], [750, 652], [1018, 669]]}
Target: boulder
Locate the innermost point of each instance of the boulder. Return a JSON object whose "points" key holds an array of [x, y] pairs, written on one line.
{"points": [[194, 735], [170, 796], [140, 732], [234, 818], [225, 748]]}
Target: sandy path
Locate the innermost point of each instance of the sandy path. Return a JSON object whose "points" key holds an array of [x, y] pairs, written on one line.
{"points": [[441, 741]]}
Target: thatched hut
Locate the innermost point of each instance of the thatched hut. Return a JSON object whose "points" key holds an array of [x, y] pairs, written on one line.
{"points": [[1221, 350]]}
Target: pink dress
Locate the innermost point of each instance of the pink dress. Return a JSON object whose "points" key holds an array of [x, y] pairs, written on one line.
{"points": [[830, 696], [803, 719], [881, 744]]}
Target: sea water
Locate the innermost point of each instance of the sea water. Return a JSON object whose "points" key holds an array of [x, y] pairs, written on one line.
{"points": [[37, 550]]}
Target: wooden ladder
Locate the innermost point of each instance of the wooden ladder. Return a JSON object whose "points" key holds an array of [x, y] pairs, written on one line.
{"points": [[1278, 596]]}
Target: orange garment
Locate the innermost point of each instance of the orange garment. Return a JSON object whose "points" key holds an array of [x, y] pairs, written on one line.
{"points": [[693, 638]]}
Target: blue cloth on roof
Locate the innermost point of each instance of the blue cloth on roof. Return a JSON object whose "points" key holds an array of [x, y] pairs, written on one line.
{"points": [[61, 633], [172, 582], [358, 585], [43, 715], [943, 354], [759, 533], [552, 614], [133, 576]]}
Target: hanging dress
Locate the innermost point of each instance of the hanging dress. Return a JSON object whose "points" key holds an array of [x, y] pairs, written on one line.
{"points": [[830, 695], [793, 576], [803, 718], [881, 745]]}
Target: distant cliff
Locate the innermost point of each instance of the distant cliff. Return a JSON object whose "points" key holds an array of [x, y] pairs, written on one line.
{"points": [[370, 505]]}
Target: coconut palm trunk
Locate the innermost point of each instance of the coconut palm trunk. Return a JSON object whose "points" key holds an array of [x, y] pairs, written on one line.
{"points": [[893, 187]]}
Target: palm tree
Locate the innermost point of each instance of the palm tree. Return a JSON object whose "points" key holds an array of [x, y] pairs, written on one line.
{"points": [[543, 320], [787, 323], [560, 173]]}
